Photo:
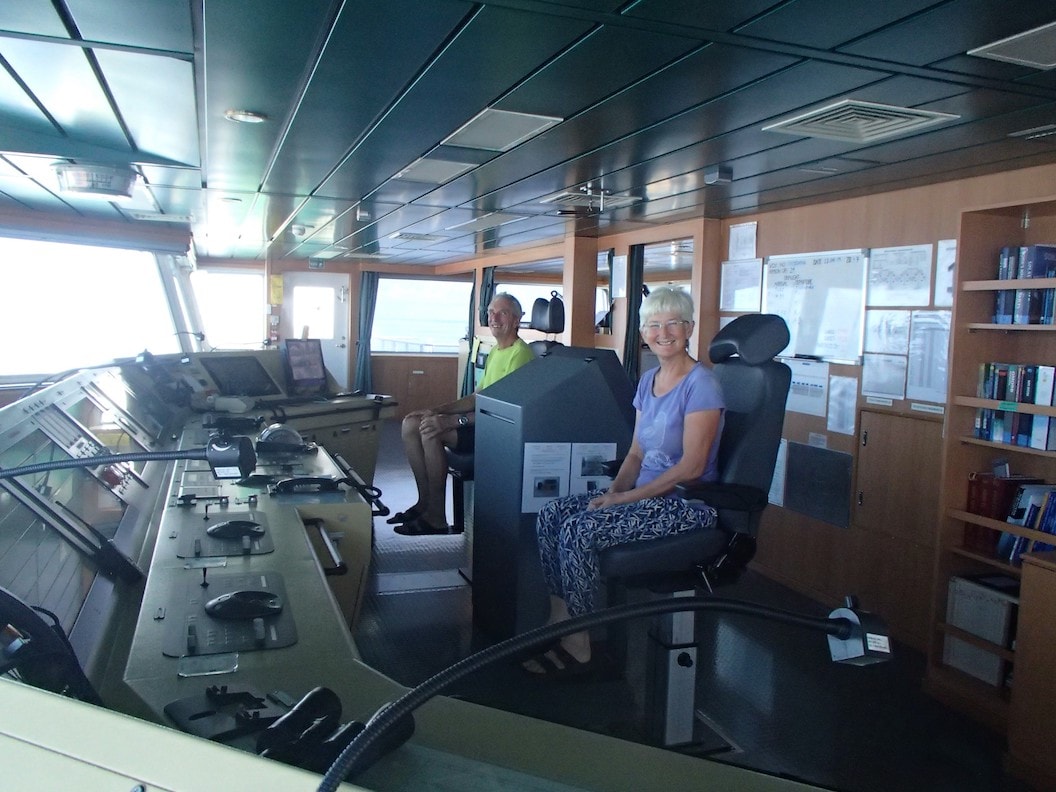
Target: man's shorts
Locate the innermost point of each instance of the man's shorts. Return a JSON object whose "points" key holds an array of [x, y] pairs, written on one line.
{"points": [[465, 440]]}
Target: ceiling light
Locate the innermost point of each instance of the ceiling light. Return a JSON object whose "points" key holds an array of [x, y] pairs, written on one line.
{"points": [[245, 116], [499, 130], [433, 171], [1035, 48], [95, 180], [1034, 133]]}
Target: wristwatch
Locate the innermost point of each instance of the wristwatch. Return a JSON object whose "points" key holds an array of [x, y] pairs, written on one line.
{"points": [[463, 420]]}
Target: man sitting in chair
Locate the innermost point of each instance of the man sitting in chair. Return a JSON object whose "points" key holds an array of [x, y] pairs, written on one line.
{"points": [[426, 433]]}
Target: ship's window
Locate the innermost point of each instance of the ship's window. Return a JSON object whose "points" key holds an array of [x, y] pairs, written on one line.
{"points": [[231, 306], [69, 306], [422, 317]]}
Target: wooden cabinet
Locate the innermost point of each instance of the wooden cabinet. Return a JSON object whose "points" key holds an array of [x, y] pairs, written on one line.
{"points": [[976, 340], [898, 474], [1034, 685]]}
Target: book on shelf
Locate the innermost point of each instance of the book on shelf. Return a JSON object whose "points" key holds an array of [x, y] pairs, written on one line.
{"points": [[1034, 261], [1043, 429], [1026, 510], [990, 496], [1004, 299], [1016, 383]]}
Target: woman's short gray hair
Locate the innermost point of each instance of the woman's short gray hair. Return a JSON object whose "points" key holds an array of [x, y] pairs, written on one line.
{"points": [[666, 299]]}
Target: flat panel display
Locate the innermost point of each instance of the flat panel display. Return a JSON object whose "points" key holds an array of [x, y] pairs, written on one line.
{"points": [[239, 375], [302, 359]]}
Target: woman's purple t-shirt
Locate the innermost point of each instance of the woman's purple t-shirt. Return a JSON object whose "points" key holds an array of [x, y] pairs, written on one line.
{"points": [[660, 424]]}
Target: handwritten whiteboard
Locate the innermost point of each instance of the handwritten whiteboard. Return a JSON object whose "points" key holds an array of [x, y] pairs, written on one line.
{"points": [[822, 298]]}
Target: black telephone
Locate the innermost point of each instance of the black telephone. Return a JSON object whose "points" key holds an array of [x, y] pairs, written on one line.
{"points": [[301, 485]]}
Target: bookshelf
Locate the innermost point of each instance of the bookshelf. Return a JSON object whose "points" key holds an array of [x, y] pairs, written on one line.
{"points": [[976, 340]]}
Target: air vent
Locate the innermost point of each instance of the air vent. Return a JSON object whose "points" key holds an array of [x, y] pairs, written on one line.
{"points": [[858, 122], [1035, 48], [598, 202], [405, 236]]}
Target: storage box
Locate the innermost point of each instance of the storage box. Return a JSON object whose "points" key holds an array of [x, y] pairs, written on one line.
{"points": [[985, 607]]}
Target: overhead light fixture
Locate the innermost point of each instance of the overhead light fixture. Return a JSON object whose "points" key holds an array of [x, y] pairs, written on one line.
{"points": [[104, 181], [245, 116], [499, 130], [433, 171], [1046, 130], [1035, 48]]}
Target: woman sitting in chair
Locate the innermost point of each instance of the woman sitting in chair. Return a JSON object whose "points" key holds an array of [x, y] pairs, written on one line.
{"points": [[679, 415]]}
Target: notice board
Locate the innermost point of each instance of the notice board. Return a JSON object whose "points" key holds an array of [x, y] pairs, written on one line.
{"points": [[822, 298]]}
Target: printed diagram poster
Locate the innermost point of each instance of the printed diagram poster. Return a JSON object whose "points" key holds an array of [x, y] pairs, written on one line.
{"points": [[899, 276], [545, 474], [588, 467]]}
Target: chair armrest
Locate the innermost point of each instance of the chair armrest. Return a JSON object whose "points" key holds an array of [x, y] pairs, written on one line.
{"points": [[739, 497]]}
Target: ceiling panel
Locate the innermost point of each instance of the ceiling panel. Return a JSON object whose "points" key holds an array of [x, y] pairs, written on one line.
{"points": [[650, 95]]}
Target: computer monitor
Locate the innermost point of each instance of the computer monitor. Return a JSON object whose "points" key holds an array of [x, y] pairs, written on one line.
{"points": [[302, 359], [239, 375]]}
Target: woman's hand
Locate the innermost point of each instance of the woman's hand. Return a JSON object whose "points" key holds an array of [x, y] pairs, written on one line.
{"points": [[609, 498]]}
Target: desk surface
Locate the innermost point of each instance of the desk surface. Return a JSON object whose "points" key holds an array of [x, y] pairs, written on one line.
{"points": [[481, 747]]}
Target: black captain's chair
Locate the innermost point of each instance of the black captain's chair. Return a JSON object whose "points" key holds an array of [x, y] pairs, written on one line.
{"points": [[548, 316], [755, 388]]}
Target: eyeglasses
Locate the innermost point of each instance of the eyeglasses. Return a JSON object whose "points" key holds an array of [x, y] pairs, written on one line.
{"points": [[671, 326]]}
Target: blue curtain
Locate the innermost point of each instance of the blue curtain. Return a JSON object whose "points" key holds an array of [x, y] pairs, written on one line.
{"points": [[635, 287], [487, 293], [467, 375], [368, 298]]}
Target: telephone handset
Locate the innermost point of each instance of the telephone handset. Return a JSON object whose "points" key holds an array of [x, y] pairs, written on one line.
{"points": [[301, 485]]}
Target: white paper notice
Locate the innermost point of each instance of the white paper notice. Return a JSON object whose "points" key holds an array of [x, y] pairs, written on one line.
{"points": [[777, 485], [742, 241], [884, 375], [843, 403], [742, 286], [887, 332], [587, 466], [929, 347], [545, 475], [945, 262], [809, 390]]}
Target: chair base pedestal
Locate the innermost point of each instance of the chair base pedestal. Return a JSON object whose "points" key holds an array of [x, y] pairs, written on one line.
{"points": [[671, 671]]}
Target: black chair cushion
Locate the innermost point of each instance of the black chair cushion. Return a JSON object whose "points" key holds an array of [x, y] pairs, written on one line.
{"points": [[663, 555]]}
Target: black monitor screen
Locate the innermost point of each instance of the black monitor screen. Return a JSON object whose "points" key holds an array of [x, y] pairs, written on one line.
{"points": [[305, 371], [240, 375]]}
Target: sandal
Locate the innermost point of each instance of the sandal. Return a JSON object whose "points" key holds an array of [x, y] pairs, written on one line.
{"points": [[398, 518], [557, 663], [419, 527]]}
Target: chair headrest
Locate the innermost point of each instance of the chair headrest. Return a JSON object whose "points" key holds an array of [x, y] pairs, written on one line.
{"points": [[755, 338], [548, 316]]}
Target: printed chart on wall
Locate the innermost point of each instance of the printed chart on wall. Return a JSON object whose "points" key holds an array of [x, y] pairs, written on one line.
{"points": [[822, 298]]}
